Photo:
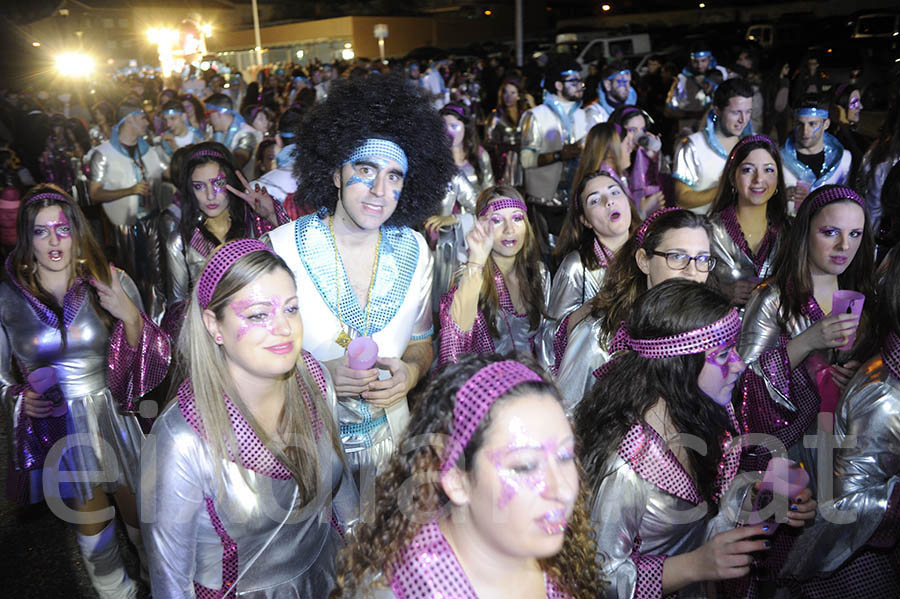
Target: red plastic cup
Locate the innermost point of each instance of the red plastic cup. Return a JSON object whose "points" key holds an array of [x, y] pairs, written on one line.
{"points": [[362, 353], [845, 301]]}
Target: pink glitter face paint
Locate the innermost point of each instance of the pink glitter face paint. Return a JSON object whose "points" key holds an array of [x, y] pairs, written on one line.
{"points": [[713, 358], [522, 465], [61, 227], [258, 311], [217, 183]]}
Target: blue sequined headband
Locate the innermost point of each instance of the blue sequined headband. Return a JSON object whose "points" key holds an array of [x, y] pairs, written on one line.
{"points": [[382, 148], [701, 54], [813, 112], [172, 111], [614, 75]]}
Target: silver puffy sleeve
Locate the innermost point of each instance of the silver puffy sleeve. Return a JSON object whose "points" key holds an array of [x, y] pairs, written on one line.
{"points": [[179, 284], [567, 293], [170, 515], [584, 354], [532, 140], [485, 169], [423, 329], [617, 510], [866, 469], [687, 164], [760, 329], [99, 164]]}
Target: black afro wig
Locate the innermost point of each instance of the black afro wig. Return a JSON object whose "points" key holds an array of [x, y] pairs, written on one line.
{"points": [[382, 106]]}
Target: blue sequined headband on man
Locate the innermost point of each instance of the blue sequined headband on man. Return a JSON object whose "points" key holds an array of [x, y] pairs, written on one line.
{"points": [[819, 113], [622, 72], [382, 148]]}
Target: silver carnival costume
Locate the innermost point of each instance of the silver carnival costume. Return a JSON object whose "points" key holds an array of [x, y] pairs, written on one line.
{"points": [[207, 536], [460, 200], [735, 261], [587, 350], [503, 139], [857, 556], [134, 218], [101, 378], [515, 332], [398, 311], [778, 401], [573, 285]]}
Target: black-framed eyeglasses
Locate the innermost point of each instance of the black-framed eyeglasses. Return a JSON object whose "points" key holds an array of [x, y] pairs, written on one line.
{"points": [[680, 260]]}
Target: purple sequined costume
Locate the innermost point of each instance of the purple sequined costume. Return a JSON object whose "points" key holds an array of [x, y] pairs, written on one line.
{"points": [[514, 328], [428, 568], [101, 378]]}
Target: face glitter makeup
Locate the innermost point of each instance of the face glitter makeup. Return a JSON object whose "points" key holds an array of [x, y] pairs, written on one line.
{"points": [[61, 226], [263, 316], [553, 522], [522, 465]]}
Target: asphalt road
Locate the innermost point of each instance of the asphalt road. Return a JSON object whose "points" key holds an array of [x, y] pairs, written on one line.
{"points": [[39, 557]]}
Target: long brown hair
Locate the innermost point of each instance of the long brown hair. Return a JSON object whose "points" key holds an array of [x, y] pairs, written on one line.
{"points": [[526, 269], [625, 281], [791, 267], [776, 207], [409, 489], [601, 144], [87, 258], [575, 235], [471, 142]]}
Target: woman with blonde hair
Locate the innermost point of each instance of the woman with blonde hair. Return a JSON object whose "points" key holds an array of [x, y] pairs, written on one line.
{"points": [[251, 488], [500, 296], [87, 354]]}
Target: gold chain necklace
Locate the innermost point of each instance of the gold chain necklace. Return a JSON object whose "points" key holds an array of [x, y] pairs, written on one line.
{"points": [[343, 339]]}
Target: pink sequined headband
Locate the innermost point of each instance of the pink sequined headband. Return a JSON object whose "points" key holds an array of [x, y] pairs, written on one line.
{"points": [[645, 226], [210, 153], [47, 195], [219, 264], [826, 195], [722, 332], [474, 400], [754, 138], [501, 203]]}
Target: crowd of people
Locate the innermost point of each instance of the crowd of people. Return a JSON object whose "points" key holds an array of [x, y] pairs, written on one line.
{"points": [[442, 330]]}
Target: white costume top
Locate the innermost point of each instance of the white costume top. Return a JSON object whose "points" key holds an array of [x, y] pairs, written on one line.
{"points": [[114, 169], [544, 131], [399, 309]]}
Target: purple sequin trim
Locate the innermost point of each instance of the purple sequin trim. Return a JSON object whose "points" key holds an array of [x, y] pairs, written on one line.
{"points": [[219, 264], [890, 354], [651, 459], [603, 254], [821, 197], [135, 371], [649, 573], [722, 332], [560, 343], [254, 455], [733, 228], [475, 399], [229, 558], [428, 569], [501, 203], [645, 226], [72, 300], [201, 244]]}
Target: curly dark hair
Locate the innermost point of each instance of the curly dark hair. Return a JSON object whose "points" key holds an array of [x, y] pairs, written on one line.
{"points": [[386, 107], [632, 385], [408, 486]]}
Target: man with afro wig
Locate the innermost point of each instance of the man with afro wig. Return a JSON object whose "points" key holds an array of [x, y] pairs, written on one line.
{"points": [[375, 162]]}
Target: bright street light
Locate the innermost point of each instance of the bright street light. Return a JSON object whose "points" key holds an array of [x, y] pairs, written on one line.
{"points": [[605, 7], [74, 64]]}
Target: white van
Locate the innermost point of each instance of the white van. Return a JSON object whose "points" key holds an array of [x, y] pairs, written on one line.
{"points": [[590, 47]]}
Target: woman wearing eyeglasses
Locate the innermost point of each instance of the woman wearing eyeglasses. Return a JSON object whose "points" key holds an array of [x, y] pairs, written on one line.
{"points": [[749, 217], [670, 244]]}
